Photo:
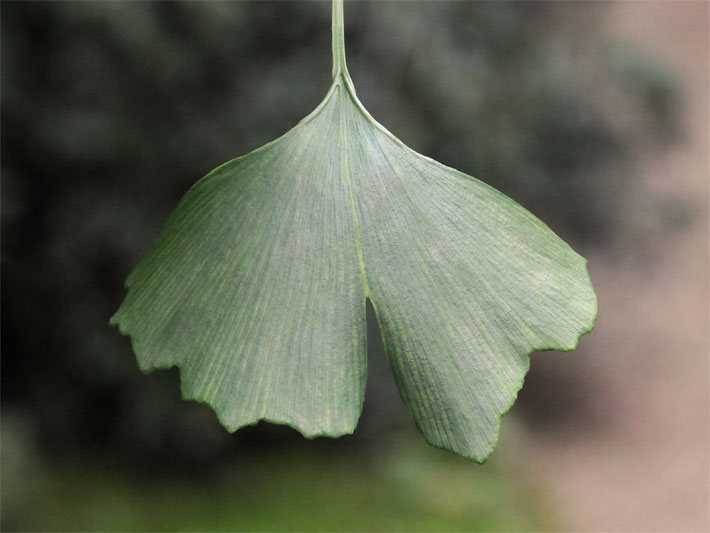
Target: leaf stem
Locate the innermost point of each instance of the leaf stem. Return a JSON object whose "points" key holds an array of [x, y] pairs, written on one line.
{"points": [[338, 25]]}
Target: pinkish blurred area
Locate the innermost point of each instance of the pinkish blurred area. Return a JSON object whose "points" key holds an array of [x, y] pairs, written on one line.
{"points": [[646, 468]]}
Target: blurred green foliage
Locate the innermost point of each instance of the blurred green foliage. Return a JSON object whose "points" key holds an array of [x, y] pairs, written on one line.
{"points": [[111, 110], [408, 488]]}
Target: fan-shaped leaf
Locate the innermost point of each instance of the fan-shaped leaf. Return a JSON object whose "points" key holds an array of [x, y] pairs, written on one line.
{"points": [[256, 287]]}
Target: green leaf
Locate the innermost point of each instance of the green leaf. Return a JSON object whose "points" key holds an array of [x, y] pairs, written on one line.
{"points": [[257, 286]]}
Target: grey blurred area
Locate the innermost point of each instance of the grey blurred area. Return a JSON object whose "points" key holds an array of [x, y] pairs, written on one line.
{"points": [[111, 110]]}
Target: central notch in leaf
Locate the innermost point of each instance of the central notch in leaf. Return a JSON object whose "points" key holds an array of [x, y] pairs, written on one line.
{"points": [[257, 286]]}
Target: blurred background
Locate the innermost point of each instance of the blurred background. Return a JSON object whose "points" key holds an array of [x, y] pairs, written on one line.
{"points": [[592, 115]]}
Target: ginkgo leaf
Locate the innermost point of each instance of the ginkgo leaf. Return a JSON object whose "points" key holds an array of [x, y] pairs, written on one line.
{"points": [[257, 286]]}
